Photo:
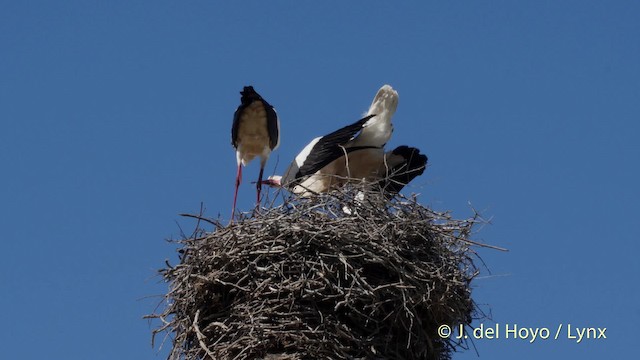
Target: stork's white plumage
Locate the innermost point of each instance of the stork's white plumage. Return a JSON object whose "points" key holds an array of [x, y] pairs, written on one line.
{"points": [[255, 132], [377, 131], [354, 152]]}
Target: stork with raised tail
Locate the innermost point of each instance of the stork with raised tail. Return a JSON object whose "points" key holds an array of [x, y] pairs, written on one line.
{"points": [[255, 132], [354, 152]]}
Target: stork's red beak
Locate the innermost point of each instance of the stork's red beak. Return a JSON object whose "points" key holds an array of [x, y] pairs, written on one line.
{"points": [[271, 182]]}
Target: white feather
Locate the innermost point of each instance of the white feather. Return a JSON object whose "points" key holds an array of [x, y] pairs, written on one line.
{"points": [[377, 131]]}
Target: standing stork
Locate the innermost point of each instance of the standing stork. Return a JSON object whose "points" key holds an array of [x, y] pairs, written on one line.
{"points": [[355, 151], [255, 132]]}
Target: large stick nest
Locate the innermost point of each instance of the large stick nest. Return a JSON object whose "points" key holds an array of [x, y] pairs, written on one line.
{"points": [[327, 277]]}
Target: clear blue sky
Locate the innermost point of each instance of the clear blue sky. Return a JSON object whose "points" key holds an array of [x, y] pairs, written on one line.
{"points": [[115, 117]]}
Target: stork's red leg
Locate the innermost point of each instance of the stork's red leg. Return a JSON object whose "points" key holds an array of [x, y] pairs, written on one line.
{"points": [[259, 185], [235, 195]]}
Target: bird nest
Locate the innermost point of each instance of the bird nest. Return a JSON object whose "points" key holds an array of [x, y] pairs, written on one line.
{"points": [[336, 276]]}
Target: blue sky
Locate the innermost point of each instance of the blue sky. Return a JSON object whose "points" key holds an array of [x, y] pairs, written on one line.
{"points": [[115, 117]]}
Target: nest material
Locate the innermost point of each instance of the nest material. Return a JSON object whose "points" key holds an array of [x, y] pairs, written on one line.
{"points": [[330, 277]]}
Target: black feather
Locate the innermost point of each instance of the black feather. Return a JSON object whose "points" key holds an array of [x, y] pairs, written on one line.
{"points": [[330, 147], [401, 174]]}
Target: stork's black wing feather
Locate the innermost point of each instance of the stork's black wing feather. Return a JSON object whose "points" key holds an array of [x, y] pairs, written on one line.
{"points": [[329, 148], [272, 124], [414, 163], [234, 127]]}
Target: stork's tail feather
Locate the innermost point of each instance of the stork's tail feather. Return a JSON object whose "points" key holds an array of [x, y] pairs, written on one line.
{"points": [[404, 164], [385, 102], [377, 131]]}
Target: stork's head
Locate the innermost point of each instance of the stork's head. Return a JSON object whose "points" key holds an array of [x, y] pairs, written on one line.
{"points": [[273, 181], [249, 95]]}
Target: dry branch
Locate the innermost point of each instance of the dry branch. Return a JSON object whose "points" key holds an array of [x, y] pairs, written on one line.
{"points": [[306, 280]]}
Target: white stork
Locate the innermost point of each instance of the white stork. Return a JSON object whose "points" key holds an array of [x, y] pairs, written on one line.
{"points": [[255, 132], [355, 151]]}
